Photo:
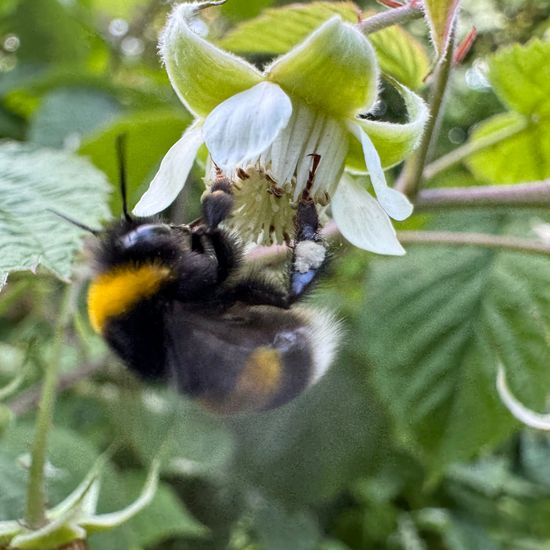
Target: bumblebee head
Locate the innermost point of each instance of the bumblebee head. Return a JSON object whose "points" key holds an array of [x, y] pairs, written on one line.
{"points": [[140, 241]]}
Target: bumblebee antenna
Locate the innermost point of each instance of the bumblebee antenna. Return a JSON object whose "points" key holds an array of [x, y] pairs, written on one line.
{"points": [[74, 222], [121, 156]]}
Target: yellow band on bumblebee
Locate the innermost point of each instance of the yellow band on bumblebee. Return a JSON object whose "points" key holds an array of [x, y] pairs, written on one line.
{"points": [[115, 292]]}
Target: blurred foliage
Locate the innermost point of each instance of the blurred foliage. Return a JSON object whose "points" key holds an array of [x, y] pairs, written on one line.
{"points": [[404, 443]]}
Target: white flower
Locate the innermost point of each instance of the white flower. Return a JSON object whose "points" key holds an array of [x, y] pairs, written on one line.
{"points": [[264, 126]]}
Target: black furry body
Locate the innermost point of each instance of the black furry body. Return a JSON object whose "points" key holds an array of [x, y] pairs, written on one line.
{"points": [[233, 341]]}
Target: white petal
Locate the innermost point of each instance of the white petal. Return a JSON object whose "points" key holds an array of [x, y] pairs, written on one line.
{"points": [[392, 201], [362, 221], [286, 150], [521, 412], [172, 174], [246, 124]]}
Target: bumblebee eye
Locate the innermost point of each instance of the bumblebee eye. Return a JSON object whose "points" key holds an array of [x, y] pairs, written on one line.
{"points": [[146, 233]]}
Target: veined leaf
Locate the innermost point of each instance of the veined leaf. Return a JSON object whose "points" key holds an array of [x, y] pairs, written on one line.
{"points": [[32, 180], [278, 30], [520, 76], [437, 323], [440, 15], [400, 55], [522, 156]]}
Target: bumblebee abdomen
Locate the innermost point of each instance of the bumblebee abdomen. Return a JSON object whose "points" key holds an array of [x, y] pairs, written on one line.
{"points": [[251, 359]]}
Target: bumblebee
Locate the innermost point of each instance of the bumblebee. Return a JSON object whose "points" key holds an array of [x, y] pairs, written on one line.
{"points": [[175, 304]]}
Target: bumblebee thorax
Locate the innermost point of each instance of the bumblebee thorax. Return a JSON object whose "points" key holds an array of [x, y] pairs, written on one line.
{"points": [[116, 291]]}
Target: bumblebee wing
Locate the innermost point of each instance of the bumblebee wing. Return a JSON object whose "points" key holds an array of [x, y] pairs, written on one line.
{"points": [[248, 358]]}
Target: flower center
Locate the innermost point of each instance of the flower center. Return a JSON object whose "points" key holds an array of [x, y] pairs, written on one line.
{"points": [[263, 212]]}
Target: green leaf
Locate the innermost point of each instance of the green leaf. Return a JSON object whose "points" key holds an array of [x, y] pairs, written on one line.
{"points": [[524, 155], [401, 56], [194, 441], [278, 529], [437, 322], [70, 458], [119, 8], [440, 15], [68, 114], [244, 9], [520, 75], [31, 181], [277, 30], [66, 41], [149, 134], [164, 518]]}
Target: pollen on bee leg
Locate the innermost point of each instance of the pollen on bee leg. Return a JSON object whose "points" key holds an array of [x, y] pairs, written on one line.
{"points": [[308, 255]]}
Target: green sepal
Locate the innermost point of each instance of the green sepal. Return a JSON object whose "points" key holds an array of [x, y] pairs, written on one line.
{"points": [[334, 70], [201, 74], [394, 142]]}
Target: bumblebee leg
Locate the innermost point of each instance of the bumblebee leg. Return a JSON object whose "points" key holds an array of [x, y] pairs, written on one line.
{"points": [[308, 257], [217, 205], [309, 252]]}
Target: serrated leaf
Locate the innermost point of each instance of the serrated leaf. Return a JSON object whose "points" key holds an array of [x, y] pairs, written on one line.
{"points": [[33, 180], [400, 55], [522, 156], [437, 322], [68, 114], [440, 15], [520, 75], [277, 30], [149, 134]]}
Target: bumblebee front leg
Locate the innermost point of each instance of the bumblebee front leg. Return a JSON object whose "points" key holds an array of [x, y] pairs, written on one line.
{"points": [[308, 257], [208, 238], [217, 205]]}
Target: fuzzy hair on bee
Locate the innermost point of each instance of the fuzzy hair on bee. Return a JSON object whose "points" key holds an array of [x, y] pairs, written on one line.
{"points": [[175, 303]]}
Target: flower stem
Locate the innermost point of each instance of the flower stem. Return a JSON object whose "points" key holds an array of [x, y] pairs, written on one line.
{"points": [[471, 147], [411, 176], [388, 18], [534, 194], [484, 240], [36, 497]]}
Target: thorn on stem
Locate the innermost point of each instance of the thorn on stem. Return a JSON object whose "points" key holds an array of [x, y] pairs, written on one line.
{"points": [[465, 46]]}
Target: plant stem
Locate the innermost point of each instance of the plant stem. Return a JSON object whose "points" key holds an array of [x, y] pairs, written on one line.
{"points": [[450, 238], [388, 18], [460, 153], [36, 497], [485, 240], [28, 400], [411, 176], [534, 194]]}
